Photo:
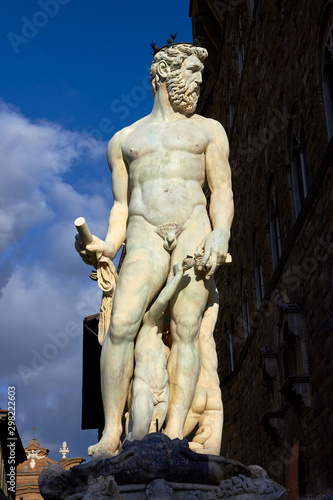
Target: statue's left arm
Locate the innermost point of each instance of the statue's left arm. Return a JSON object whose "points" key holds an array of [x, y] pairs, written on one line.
{"points": [[214, 247]]}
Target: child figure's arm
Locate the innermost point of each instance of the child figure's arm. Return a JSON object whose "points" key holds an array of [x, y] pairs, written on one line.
{"points": [[157, 309]]}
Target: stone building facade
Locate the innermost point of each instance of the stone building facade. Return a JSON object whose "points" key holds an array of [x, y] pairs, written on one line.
{"points": [[28, 471], [269, 81]]}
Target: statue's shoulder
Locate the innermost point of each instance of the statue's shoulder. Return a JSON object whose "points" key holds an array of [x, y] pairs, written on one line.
{"points": [[214, 128], [120, 136], [209, 122], [117, 142]]}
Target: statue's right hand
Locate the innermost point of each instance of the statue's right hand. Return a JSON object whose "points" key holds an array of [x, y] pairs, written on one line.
{"points": [[88, 252], [105, 248], [87, 257]]}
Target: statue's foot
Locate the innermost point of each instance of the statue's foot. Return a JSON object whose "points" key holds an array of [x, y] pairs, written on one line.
{"points": [[172, 432], [204, 451], [105, 448]]}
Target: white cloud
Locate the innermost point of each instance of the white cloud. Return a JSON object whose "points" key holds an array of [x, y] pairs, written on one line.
{"points": [[41, 355], [45, 287], [34, 157], [36, 307]]}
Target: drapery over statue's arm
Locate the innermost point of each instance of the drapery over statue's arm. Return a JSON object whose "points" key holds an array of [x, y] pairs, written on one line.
{"points": [[214, 247], [116, 232]]}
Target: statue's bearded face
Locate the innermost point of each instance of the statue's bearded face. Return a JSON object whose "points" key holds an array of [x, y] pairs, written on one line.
{"points": [[183, 85]]}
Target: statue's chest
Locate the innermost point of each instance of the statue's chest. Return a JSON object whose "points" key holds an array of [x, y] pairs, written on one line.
{"points": [[164, 139]]}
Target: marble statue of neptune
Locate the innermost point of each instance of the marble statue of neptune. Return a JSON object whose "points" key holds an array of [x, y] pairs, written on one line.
{"points": [[159, 167]]}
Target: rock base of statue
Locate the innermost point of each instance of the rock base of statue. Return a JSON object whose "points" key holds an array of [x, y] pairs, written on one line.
{"points": [[161, 469]]}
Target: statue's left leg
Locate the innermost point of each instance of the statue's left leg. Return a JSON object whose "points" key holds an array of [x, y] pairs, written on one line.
{"points": [[187, 307]]}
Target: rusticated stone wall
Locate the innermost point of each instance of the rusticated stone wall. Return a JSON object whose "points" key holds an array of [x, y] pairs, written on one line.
{"points": [[264, 83]]}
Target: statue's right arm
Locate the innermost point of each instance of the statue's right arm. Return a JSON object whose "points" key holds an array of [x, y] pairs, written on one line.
{"points": [[116, 232]]}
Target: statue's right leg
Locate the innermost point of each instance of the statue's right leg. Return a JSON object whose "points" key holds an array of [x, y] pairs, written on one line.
{"points": [[142, 275]]}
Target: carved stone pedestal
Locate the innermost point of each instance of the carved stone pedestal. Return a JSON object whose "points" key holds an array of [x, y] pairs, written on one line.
{"points": [[160, 469]]}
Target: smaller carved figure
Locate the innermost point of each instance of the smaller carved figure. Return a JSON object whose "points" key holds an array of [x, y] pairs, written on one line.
{"points": [[206, 410], [150, 390]]}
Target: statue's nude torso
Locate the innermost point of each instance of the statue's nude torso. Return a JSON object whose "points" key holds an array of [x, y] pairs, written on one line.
{"points": [[166, 168]]}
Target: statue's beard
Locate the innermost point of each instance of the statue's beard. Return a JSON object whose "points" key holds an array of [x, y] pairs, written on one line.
{"points": [[183, 96]]}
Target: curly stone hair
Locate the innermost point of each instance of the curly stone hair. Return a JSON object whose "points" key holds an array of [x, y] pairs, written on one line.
{"points": [[173, 56]]}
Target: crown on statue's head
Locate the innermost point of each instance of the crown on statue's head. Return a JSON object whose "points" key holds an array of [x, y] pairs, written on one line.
{"points": [[171, 41]]}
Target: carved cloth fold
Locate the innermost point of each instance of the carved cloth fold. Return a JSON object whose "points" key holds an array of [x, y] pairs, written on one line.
{"points": [[106, 278]]}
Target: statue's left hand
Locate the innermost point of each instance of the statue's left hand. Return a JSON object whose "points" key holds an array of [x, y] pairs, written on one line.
{"points": [[213, 249]]}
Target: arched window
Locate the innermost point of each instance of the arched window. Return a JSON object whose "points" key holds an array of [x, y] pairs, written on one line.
{"points": [[299, 163], [275, 229], [258, 276], [294, 366], [245, 311], [288, 352], [327, 70], [240, 48], [227, 359], [231, 104], [251, 8], [229, 340], [231, 112]]}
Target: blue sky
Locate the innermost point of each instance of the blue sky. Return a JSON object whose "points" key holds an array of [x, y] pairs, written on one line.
{"points": [[74, 72]]}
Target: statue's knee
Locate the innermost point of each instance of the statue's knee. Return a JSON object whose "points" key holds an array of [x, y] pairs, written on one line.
{"points": [[122, 330], [187, 330]]}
